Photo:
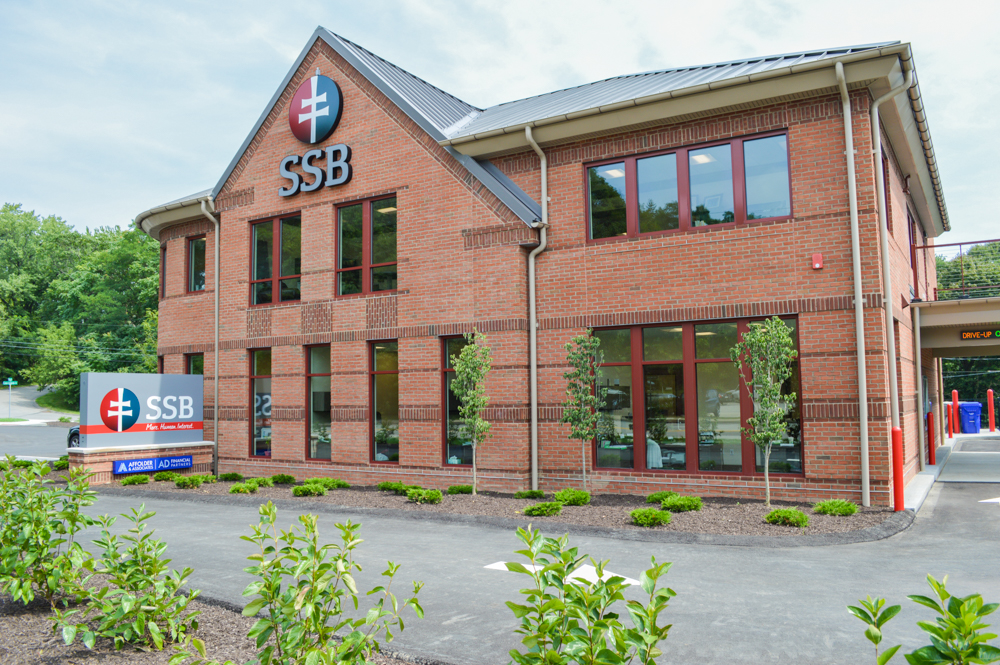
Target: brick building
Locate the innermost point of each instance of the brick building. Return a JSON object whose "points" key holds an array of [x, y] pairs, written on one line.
{"points": [[370, 219]]}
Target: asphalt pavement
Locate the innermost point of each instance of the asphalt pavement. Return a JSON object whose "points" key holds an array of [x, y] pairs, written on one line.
{"points": [[19, 402], [734, 604], [45, 441]]}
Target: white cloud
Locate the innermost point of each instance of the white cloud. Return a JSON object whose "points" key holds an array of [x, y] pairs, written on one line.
{"points": [[108, 108]]}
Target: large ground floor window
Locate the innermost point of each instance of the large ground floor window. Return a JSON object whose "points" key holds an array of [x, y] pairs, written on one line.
{"points": [[674, 402], [457, 439], [260, 402], [318, 398], [384, 373]]}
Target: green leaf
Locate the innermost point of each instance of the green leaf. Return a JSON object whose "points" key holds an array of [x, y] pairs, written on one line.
{"points": [[874, 635], [861, 614], [887, 655], [89, 639], [515, 567], [254, 607], [887, 614], [69, 634], [926, 602]]}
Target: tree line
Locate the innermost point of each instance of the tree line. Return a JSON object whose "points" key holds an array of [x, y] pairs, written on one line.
{"points": [[73, 302]]}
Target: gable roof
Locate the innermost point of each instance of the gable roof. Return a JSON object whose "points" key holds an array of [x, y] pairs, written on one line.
{"points": [[434, 110], [634, 86]]}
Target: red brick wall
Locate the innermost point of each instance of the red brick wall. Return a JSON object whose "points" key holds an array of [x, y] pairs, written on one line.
{"points": [[460, 266], [101, 463]]}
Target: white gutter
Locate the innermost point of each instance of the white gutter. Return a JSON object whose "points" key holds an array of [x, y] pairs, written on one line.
{"points": [[859, 313], [887, 294], [532, 309], [215, 378]]}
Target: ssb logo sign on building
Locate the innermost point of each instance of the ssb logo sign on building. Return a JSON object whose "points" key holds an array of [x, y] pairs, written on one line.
{"points": [[135, 409]]}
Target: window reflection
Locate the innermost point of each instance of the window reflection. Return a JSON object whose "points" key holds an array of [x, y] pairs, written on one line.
{"points": [[458, 444], [765, 162], [786, 455], [665, 431], [711, 178], [615, 436], [714, 340], [386, 402], [196, 276], [663, 343], [607, 201], [349, 249], [719, 440], [260, 368], [319, 403], [657, 180], [615, 345]]}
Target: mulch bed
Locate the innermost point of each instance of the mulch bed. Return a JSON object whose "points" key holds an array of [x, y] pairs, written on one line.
{"points": [[719, 515], [26, 638]]}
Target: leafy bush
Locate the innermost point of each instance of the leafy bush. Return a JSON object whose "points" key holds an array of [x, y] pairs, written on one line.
{"points": [[135, 480], [681, 504], [835, 507], [260, 482], [208, 478], [529, 494], [302, 618], [60, 464], [649, 517], [572, 497], [38, 527], [329, 483], [143, 604], [424, 496], [164, 475], [187, 482], [658, 497], [283, 479], [242, 488], [569, 620], [231, 477], [544, 509], [389, 486], [309, 489], [787, 517], [460, 489], [19, 463]]}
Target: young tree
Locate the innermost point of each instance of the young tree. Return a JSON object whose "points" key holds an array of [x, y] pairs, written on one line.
{"points": [[585, 397], [764, 360], [469, 385]]}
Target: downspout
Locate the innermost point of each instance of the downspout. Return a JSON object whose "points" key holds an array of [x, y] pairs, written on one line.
{"points": [[887, 294], [859, 313], [532, 310], [215, 378]]}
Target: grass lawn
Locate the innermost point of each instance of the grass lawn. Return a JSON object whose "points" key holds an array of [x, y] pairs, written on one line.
{"points": [[53, 402], [13, 420]]}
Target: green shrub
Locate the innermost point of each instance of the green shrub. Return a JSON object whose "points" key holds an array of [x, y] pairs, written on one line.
{"points": [[418, 495], [38, 527], [208, 478], [390, 486], [20, 464], [544, 509], [572, 497], [135, 480], [658, 497], [187, 482], [164, 475], [681, 504], [146, 607], [460, 489], [242, 488], [60, 464], [260, 482], [649, 517], [529, 494], [787, 517], [231, 477], [835, 507], [593, 629], [309, 489], [283, 479], [329, 483]]}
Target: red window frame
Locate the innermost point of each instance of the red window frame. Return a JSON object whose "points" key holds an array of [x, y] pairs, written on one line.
{"points": [[684, 188], [367, 206], [253, 407], [372, 373], [690, 362], [445, 370], [308, 399], [188, 357], [159, 364], [188, 264], [275, 278]]}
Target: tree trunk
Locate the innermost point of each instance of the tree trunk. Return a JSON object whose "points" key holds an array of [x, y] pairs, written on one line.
{"points": [[583, 450], [767, 477], [474, 484]]}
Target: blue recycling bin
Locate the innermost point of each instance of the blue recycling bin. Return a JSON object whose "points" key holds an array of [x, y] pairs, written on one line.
{"points": [[969, 414]]}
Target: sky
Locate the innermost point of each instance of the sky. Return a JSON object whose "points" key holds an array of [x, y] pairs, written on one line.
{"points": [[110, 108]]}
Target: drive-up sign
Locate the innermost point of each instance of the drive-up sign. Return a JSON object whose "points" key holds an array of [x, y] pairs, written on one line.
{"points": [[136, 409]]}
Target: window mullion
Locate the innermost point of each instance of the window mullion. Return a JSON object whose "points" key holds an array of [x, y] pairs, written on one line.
{"points": [[638, 403], [631, 198], [366, 248], [690, 399], [683, 191], [739, 182]]}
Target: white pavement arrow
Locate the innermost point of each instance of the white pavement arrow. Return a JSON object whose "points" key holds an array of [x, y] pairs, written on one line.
{"points": [[996, 500], [586, 572]]}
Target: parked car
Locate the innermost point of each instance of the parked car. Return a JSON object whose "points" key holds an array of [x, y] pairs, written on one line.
{"points": [[73, 438]]}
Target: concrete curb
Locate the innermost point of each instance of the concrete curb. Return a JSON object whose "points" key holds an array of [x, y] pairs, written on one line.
{"points": [[894, 524]]}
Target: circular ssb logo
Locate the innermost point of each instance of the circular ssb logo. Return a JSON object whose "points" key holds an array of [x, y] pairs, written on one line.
{"points": [[315, 109], [120, 409]]}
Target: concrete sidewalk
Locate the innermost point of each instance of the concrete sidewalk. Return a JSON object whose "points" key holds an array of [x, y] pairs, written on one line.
{"points": [[734, 604]]}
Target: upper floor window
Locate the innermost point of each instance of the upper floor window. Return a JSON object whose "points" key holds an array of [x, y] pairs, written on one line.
{"points": [[276, 270], [196, 264], [195, 363], [732, 182], [366, 247]]}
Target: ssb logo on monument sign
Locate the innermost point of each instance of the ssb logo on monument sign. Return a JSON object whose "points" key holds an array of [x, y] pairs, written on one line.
{"points": [[120, 409]]}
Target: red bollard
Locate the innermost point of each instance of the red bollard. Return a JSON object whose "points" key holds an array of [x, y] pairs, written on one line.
{"points": [[956, 426], [931, 453], [897, 469], [949, 416], [989, 400]]}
